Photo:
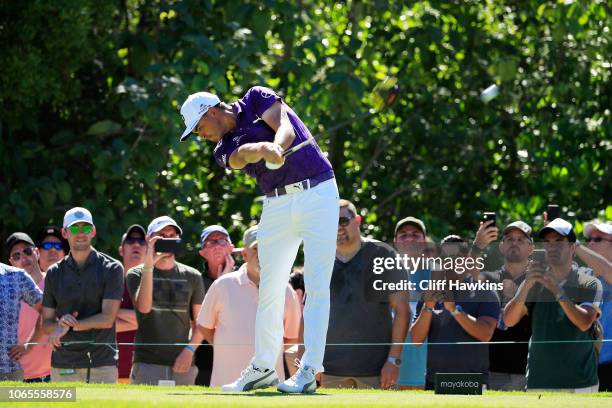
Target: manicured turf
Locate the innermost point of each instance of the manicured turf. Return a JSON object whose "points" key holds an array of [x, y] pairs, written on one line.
{"points": [[104, 396]]}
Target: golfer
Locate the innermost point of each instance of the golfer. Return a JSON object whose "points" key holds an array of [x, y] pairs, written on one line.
{"points": [[301, 205]]}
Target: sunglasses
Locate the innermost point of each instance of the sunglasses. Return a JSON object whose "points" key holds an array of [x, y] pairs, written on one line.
{"points": [[134, 240], [16, 256], [344, 221], [215, 242], [85, 229], [48, 245], [597, 239]]}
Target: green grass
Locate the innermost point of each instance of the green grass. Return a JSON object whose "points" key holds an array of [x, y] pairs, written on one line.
{"points": [[132, 396]]}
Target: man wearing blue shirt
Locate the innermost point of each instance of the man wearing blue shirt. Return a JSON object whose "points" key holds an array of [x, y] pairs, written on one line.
{"points": [[301, 205]]}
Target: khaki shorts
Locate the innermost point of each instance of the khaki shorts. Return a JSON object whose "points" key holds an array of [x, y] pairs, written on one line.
{"points": [[333, 381], [144, 373], [97, 375]]}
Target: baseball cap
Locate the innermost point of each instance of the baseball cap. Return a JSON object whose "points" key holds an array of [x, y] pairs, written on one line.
{"points": [[77, 214], [160, 223], [213, 228], [519, 225], [249, 239], [132, 228], [589, 227], [412, 221], [194, 107], [16, 238], [561, 227]]}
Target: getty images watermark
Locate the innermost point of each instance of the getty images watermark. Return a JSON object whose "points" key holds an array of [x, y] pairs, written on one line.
{"points": [[459, 265]]}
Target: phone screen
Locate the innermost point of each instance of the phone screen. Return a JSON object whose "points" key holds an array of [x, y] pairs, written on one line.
{"points": [[168, 245]]}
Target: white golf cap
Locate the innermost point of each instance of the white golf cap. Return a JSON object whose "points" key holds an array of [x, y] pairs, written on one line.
{"points": [[77, 214], [160, 223], [194, 107], [589, 227], [561, 227]]}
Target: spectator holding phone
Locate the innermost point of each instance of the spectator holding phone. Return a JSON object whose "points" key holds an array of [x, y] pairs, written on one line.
{"points": [[563, 304], [167, 296], [508, 362]]}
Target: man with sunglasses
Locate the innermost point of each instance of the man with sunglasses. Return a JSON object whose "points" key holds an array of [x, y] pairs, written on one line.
{"points": [[132, 252], [599, 239], [360, 313], [35, 359], [16, 286], [167, 297], [51, 246], [301, 205], [81, 300], [216, 252]]}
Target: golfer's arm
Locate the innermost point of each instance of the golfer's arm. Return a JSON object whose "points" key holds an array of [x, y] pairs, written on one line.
{"points": [[277, 118], [245, 154]]}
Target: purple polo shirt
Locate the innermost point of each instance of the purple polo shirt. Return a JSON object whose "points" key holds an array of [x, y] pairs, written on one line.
{"points": [[251, 128]]}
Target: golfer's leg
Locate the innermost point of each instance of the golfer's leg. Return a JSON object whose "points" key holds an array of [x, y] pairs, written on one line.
{"points": [[278, 243], [319, 227]]}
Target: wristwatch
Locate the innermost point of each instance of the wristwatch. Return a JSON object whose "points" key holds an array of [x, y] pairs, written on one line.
{"points": [[458, 309], [395, 361]]}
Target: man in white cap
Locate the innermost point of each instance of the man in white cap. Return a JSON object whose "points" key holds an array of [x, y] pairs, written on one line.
{"points": [[216, 252], [301, 205], [81, 299], [563, 304], [599, 239], [167, 297], [227, 319]]}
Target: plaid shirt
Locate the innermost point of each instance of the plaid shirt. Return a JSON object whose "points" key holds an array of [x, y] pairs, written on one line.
{"points": [[15, 285]]}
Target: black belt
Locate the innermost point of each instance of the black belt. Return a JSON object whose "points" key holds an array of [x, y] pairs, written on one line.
{"points": [[301, 185]]}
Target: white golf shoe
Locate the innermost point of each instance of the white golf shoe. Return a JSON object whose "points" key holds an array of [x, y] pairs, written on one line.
{"points": [[302, 382], [253, 378]]}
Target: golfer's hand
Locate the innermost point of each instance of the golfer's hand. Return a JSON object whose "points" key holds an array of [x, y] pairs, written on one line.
{"points": [[388, 375], [272, 152], [183, 361]]}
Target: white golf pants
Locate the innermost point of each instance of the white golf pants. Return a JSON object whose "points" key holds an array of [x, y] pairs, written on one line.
{"points": [[310, 216]]}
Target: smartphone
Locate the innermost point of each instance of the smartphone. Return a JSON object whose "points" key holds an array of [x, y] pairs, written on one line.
{"points": [[539, 256], [552, 212], [169, 245], [487, 216]]}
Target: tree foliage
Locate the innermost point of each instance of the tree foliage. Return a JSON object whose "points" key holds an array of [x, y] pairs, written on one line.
{"points": [[89, 93]]}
